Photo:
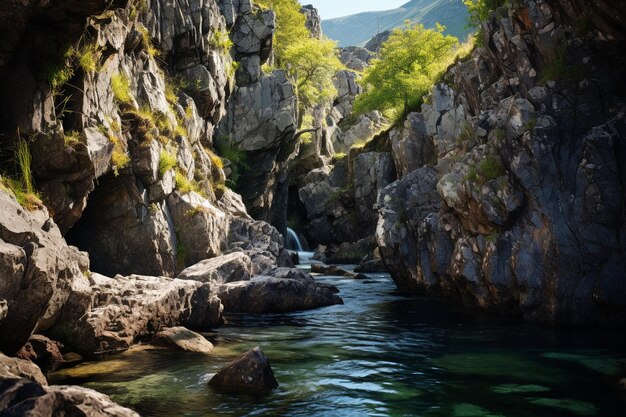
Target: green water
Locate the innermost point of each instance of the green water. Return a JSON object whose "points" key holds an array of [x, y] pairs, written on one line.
{"points": [[379, 354]]}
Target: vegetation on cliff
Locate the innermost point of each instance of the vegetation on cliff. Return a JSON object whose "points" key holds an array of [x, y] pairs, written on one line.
{"points": [[410, 61], [310, 62]]}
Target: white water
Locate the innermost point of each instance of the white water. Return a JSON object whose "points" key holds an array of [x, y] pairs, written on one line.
{"points": [[293, 242]]}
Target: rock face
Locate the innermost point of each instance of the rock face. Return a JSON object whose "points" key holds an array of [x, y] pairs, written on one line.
{"points": [[20, 397], [250, 373], [524, 211], [39, 271], [313, 21], [261, 119], [339, 200]]}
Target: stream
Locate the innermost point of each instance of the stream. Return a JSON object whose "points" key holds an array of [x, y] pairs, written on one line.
{"points": [[379, 354]]}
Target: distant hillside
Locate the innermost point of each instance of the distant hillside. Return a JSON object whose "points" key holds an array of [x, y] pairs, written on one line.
{"points": [[357, 29]]}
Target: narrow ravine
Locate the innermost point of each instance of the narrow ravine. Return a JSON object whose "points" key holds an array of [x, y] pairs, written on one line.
{"points": [[379, 354]]}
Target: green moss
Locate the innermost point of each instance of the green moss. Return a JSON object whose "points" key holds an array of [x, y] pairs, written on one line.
{"points": [[491, 167], [221, 41], [183, 184], [88, 57], [146, 42], [235, 156], [73, 138], [167, 161], [119, 157], [120, 85]]}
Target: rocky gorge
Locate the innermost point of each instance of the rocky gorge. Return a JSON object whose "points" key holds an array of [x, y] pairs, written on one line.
{"points": [[168, 160]]}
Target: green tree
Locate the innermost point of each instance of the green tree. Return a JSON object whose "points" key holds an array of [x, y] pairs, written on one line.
{"points": [[290, 24], [409, 63], [310, 63], [479, 10]]}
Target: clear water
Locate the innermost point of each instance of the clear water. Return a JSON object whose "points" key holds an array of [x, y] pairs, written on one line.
{"points": [[379, 354]]}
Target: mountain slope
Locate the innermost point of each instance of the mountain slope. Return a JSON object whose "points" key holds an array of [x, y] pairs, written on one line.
{"points": [[359, 28]]}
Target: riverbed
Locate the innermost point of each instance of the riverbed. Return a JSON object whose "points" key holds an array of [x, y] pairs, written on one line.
{"points": [[379, 354]]}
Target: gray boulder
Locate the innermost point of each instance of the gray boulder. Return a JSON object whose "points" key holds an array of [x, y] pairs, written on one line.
{"points": [[182, 339], [113, 313], [21, 397], [264, 294], [235, 266], [250, 373], [20, 368]]}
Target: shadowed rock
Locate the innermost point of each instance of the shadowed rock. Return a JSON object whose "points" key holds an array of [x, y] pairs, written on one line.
{"points": [[249, 373], [263, 294], [20, 397]]}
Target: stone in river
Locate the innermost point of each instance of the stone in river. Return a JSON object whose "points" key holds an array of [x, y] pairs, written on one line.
{"points": [[182, 339], [250, 373]]}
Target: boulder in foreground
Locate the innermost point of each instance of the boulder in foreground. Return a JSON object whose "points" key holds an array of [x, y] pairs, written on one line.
{"points": [[250, 373], [21, 397]]}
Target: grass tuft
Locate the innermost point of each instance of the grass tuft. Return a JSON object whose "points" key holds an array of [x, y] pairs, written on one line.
{"points": [[167, 161], [120, 85]]}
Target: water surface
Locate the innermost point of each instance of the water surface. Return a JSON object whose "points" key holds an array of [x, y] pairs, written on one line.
{"points": [[379, 354]]}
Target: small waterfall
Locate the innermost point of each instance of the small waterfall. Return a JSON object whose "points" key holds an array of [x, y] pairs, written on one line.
{"points": [[293, 242]]}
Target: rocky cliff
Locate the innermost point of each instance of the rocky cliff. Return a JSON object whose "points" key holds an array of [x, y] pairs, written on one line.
{"points": [[122, 108], [511, 189]]}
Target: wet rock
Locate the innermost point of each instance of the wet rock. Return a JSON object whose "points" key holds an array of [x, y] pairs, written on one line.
{"points": [[250, 373], [21, 397], [288, 273], [20, 368], [182, 339], [330, 270], [374, 265], [403, 205], [235, 266], [264, 294]]}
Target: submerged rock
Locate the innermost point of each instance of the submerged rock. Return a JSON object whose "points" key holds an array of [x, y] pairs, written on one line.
{"points": [[182, 339], [250, 373]]}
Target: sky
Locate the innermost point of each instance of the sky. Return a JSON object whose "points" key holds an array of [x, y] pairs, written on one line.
{"points": [[337, 8]]}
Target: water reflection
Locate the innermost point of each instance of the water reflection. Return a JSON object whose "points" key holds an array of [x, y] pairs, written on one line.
{"points": [[379, 354]]}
